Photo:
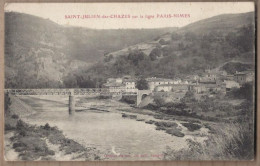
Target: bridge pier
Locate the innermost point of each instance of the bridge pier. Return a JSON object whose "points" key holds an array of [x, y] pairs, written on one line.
{"points": [[138, 99], [71, 103], [140, 94]]}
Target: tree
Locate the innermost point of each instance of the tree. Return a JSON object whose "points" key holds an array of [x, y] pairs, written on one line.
{"points": [[159, 101], [142, 84], [243, 39], [136, 56], [246, 38], [189, 97], [175, 36], [156, 52], [245, 92], [108, 58], [190, 36], [181, 46], [7, 102], [70, 81], [163, 42]]}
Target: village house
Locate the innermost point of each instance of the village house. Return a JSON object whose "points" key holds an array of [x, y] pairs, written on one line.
{"points": [[115, 85], [175, 91], [231, 84], [130, 85], [153, 82], [177, 81], [173, 88], [213, 74], [209, 86], [229, 77], [120, 85], [163, 88], [243, 77]]}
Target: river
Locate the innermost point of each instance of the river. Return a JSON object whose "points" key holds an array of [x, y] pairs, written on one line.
{"points": [[115, 137]]}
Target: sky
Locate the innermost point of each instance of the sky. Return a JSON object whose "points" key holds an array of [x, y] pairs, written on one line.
{"points": [[170, 14]]}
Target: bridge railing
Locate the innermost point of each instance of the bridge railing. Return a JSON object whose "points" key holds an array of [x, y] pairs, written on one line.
{"points": [[78, 91], [91, 91], [38, 91]]}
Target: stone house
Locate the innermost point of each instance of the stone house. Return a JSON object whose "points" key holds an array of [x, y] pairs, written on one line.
{"points": [[153, 82], [244, 77], [130, 85]]}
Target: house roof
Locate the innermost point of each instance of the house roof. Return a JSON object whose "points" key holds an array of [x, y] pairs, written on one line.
{"points": [[154, 79], [244, 72], [113, 84], [172, 85], [207, 82], [130, 80]]}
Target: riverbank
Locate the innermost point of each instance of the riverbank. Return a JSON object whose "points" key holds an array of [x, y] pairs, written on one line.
{"points": [[24, 141], [172, 125], [230, 127]]}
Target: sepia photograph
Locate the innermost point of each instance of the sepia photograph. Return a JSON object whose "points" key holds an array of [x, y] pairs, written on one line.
{"points": [[129, 81]]}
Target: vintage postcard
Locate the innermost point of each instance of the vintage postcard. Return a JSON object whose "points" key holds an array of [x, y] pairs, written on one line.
{"points": [[129, 81]]}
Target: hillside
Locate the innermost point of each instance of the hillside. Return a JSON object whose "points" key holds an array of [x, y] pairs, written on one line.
{"points": [[180, 53], [43, 52], [222, 23], [216, 27]]}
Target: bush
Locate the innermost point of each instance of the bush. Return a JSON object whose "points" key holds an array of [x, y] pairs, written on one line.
{"points": [[163, 42], [176, 36], [108, 58], [166, 124], [139, 119], [159, 101], [104, 97], [129, 116], [18, 144], [158, 116], [47, 126], [20, 125], [22, 133], [151, 106], [191, 126], [9, 127], [150, 122], [175, 132], [230, 142], [51, 152], [14, 116], [129, 99], [156, 52], [7, 103]]}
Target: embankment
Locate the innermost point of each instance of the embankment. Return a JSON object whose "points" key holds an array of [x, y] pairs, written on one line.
{"points": [[19, 108], [30, 142]]}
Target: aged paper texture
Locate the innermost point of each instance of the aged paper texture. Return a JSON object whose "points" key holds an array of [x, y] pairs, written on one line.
{"points": [[129, 81]]}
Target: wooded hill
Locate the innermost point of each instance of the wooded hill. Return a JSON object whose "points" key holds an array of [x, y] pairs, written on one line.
{"points": [[39, 52], [190, 50]]}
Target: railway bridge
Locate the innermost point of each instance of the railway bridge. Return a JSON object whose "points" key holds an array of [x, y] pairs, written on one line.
{"points": [[78, 92]]}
